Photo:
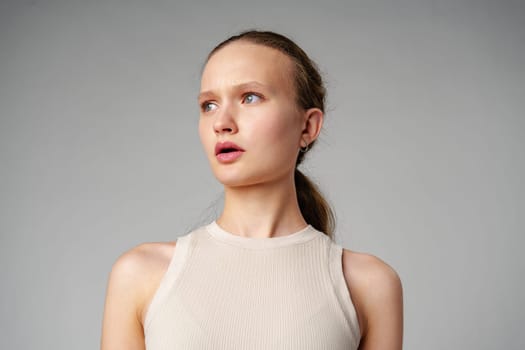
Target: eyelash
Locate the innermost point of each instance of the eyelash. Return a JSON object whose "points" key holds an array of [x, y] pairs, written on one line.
{"points": [[203, 106], [251, 93], [244, 96]]}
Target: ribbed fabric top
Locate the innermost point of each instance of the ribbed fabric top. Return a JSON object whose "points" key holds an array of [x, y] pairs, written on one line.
{"points": [[300, 236], [224, 291]]}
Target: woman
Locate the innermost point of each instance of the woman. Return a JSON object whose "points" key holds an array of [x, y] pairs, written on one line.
{"points": [[266, 273]]}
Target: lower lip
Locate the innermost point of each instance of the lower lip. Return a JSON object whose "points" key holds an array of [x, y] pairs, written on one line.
{"points": [[228, 157]]}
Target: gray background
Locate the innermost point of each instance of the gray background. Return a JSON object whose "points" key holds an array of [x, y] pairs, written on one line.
{"points": [[422, 154]]}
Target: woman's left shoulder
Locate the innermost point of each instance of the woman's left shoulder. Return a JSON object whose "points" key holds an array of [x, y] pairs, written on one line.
{"points": [[368, 270], [376, 291]]}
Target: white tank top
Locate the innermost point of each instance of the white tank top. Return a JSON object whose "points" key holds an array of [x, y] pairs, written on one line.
{"points": [[224, 291]]}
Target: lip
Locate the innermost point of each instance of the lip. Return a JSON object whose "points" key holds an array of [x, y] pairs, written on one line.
{"points": [[227, 157], [219, 146]]}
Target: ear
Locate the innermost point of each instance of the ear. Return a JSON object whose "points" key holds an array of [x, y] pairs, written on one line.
{"points": [[313, 122]]}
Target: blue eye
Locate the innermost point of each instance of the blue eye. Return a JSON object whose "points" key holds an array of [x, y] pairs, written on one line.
{"points": [[208, 106], [251, 98]]}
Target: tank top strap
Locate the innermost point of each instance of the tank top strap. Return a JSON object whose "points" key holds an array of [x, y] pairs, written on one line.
{"points": [[176, 266], [341, 289]]}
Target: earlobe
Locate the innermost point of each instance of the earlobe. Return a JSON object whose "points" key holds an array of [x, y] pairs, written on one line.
{"points": [[313, 123]]}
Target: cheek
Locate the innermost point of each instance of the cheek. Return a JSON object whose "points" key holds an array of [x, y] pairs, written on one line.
{"points": [[281, 133], [204, 134], [288, 130]]}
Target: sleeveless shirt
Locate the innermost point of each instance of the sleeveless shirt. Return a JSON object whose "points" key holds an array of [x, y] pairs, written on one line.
{"points": [[224, 291]]}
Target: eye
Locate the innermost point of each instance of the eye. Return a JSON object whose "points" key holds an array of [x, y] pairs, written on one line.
{"points": [[251, 97], [208, 106]]}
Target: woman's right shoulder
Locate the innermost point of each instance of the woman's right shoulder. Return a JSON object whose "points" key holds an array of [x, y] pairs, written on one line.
{"points": [[145, 257], [139, 271], [133, 280]]}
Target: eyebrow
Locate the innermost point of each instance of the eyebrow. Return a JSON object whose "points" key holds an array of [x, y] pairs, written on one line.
{"points": [[243, 86]]}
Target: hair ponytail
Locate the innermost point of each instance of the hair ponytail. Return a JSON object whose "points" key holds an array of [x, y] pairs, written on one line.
{"points": [[314, 207]]}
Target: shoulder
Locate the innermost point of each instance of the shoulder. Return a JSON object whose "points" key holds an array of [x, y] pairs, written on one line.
{"points": [[138, 272], [144, 256], [375, 288], [133, 280], [367, 270]]}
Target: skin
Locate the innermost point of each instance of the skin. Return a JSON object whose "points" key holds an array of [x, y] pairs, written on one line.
{"points": [[247, 97]]}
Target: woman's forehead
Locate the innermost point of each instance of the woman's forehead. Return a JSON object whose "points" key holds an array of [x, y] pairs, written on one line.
{"points": [[243, 61]]}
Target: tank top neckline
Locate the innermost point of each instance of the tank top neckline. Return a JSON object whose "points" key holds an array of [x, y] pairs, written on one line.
{"points": [[303, 235]]}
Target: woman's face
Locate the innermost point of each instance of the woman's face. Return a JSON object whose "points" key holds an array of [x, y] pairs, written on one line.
{"points": [[247, 97]]}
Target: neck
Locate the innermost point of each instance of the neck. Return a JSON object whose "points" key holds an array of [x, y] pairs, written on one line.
{"points": [[262, 210]]}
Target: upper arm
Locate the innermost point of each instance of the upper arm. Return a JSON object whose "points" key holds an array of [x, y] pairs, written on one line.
{"points": [[377, 294], [132, 282]]}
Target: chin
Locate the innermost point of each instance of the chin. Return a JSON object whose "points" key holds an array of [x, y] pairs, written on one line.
{"points": [[231, 177], [237, 180], [231, 181]]}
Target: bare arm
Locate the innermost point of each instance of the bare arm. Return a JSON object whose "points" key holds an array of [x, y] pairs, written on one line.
{"points": [[132, 283], [377, 294]]}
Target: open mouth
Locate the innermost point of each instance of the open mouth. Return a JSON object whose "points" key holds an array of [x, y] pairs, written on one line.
{"points": [[227, 147], [228, 150]]}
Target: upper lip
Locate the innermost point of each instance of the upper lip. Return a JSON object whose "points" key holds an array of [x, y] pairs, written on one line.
{"points": [[221, 146]]}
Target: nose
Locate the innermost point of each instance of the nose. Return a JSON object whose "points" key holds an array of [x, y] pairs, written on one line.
{"points": [[225, 120]]}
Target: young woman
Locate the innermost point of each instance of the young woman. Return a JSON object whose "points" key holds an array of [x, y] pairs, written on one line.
{"points": [[266, 274]]}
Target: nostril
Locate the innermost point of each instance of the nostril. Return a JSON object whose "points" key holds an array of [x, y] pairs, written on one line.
{"points": [[220, 130]]}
